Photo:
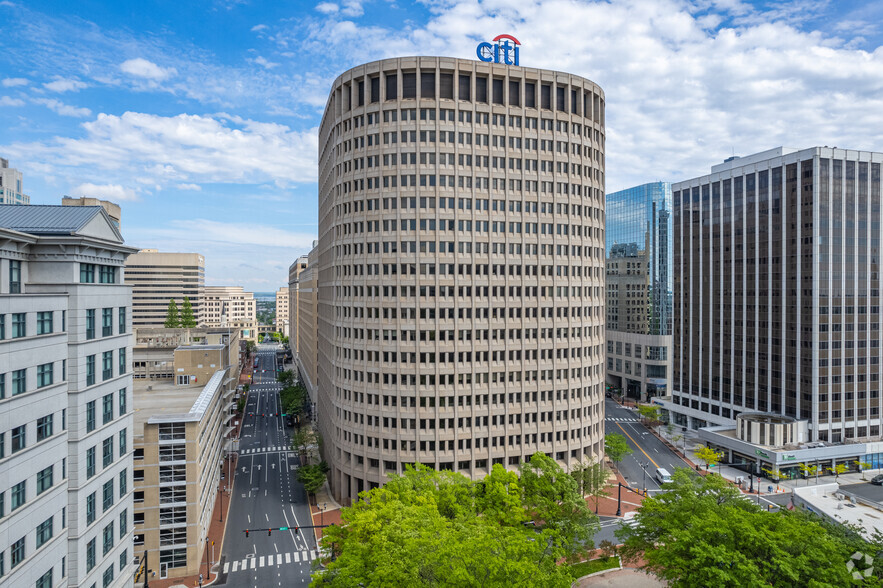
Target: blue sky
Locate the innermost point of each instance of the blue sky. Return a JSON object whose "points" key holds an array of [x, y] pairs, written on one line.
{"points": [[199, 117]]}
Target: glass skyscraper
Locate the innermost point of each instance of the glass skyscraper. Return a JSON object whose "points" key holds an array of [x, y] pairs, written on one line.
{"points": [[639, 290]]}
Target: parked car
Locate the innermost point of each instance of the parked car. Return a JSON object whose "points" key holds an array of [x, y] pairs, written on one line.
{"points": [[877, 480]]}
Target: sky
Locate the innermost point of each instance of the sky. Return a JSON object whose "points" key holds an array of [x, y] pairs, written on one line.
{"points": [[200, 117]]}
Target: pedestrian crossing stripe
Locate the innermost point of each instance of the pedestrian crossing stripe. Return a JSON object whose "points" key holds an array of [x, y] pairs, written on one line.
{"points": [[268, 561], [264, 450], [623, 419]]}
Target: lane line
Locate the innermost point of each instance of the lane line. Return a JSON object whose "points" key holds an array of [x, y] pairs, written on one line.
{"points": [[637, 445]]}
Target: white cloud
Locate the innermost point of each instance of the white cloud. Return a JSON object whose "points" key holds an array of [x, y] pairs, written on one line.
{"points": [[184, 149], [112, 192], [12, 82], [258, 28], [62, 85], [142, 68], [352, 8], [63, 109], [264, 63], [327, 7], [190, 187], [8, 101]]}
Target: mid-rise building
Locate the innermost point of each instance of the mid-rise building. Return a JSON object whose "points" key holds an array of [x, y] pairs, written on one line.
{"points": [[10, 185], [639, 290], [777, 301], [282, 311], [112, 209], [294, 270], [65, 399], [157, 277], [307, 294], [230, 306], [181, 429], [460, 269]]}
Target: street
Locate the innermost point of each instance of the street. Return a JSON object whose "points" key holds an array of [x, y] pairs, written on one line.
{"points": [[267, 495]]}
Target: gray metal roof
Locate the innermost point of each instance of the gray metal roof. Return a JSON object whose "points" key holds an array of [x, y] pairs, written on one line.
{"points": [[39, 219]]}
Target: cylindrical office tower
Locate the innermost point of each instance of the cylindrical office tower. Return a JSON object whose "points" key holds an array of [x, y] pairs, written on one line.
{"points": [[461, 269]]}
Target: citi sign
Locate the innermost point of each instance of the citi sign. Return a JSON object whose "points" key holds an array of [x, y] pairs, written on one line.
{"points": [[502, 52]]}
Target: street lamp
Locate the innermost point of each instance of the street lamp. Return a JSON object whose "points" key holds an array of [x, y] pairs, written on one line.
{"points": [[644, 467], [322, 513], [619, 501]]}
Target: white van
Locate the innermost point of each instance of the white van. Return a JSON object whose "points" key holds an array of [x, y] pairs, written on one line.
{"points": [[662, 476]]}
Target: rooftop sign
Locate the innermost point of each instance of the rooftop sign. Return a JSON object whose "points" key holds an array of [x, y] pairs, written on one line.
{"points": [[502, 52]]}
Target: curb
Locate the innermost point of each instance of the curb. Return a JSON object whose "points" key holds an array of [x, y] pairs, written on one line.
{"points": [[602, 572]]}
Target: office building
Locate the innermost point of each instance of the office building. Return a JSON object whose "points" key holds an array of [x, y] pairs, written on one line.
{"points": [[639, 290], [65, 399], [157, 277], [307, 291], [776, 305], [460, 269], [113, 210], [231, 306], [294, 271], [10, 185], [282, 311]]}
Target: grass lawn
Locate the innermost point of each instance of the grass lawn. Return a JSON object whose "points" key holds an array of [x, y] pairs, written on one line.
{"points": [[584, 568]]}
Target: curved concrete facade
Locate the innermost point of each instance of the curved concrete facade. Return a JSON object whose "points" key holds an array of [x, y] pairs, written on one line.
{"points": [[461, 269]]}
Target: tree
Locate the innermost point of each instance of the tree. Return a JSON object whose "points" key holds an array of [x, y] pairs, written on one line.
{"points": [[312, 476], [616, 447], [173, 321], [591, 478], [439, 528], [188, 321], [250, 346], [301, 441], [840, 468], [286, 378], [862, 466], [245, 388], [701, 533], [708, 455], [650, 413], [809, 471]]}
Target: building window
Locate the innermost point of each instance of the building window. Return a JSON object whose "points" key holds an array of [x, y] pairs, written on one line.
{"points": [[122, 360], [19, 382], [107, 451], [87, 273], [18, 495], [90, 416], [17, 553], [124, 559], [124, 482], [14, 277], [107, 578], [106, 365], [107, 408], [2, 326], [45, 581], [90, 555], [44, 427], [107, 539], [107, 496], [19, 325], [2, 449], [44, 323], [44, 375], [174, 558], [44, 479], [90, 370], [122, 320], [124, 522], [44, 532], [106, 322], [90, 509], [90, 462], [19, 440], [122, 401], [123, 445], [90, 323], [107, 274]]}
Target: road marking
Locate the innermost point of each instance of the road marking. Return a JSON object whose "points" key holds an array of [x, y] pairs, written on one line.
{"points": [[276, 548], [638, 446], [267, 517], [249, 516], [226, 567], [278, 559], [252, 563], [296, 557], [261, 564], [313, 554]]}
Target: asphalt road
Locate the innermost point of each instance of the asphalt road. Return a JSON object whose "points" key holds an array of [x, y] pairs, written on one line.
{"points": [[648, 452], [267, 495]]}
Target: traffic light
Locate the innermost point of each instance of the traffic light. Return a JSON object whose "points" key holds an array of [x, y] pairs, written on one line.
{"points": [[269, 532], [297, 530], [246, 532]]}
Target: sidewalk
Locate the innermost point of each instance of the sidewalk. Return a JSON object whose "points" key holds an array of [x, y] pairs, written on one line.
{"points": [[328, 514], [215, 534]]}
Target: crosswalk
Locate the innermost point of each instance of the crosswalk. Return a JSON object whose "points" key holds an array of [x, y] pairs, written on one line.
{"points": [[254, 562], [623, 419], [264, 450]]}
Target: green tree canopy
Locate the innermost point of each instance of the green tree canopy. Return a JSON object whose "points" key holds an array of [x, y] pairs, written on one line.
{"points": [[312, 476], [173, 321], [188, 321], [616, 447], [702, 533], [430, 528]]}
